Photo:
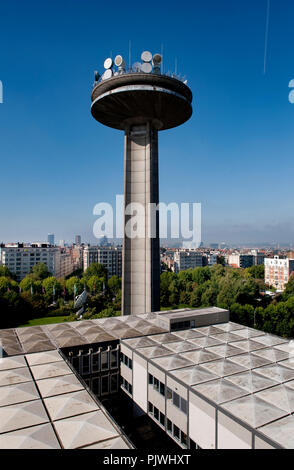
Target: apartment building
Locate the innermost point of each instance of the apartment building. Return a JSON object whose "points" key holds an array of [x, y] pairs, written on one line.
{"points": [[110, 257], [278, 271], [187, 259], [20, 258], [245, 260]]}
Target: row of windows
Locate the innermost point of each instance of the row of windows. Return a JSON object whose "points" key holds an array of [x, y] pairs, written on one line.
{"points": [[157, 385], [183, 325], [177, 400], [176, 432], [104, 384], [156, 413], [126, 360], [171, 428], [92, 362], [126, 385]]}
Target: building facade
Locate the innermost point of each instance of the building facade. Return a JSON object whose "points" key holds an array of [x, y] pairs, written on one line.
{"points": [[20, 258], [109, 257], [187, 259], [278, 271]]}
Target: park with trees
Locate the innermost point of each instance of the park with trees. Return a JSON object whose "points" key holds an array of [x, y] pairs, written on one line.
{"points": [[41, 298]]}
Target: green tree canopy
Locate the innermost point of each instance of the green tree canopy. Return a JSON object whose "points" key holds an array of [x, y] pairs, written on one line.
{"points": [[4, 271], [40, 271], [95, 269], [74, 281], [7, 284]]}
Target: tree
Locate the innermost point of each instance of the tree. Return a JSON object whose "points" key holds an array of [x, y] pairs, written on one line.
{"points": [[52, 288], [71, 283], [256, 272], [200, 275], [96, 269], [4, 271], [114, 284], [289, 288], [29, 284], [7, 284], [95, 284], [40, 271]]}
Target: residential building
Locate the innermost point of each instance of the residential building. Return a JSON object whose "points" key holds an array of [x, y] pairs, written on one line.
{"points": [[277, 271], [245, 260], [20, 258], [109, 256], [187, 259]]}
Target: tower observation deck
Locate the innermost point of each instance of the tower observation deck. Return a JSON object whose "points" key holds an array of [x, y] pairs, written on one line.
{"points": [[141, 102]]}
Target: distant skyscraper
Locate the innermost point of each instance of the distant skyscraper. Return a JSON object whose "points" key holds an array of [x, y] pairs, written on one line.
{"points": [[78, 240], [61, 243], [50, 238]]}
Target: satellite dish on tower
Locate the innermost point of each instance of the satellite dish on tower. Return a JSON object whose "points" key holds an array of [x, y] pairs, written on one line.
{"points": [[146, 67], [120, 63], [108, 63], [107, 74], [146, 56]]}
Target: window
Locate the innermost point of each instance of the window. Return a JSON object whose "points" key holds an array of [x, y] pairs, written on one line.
{"points": [[176, 432], [161, 388], [150, 407], [156, 413], [156, 384], [169, 425], [113, 359], [161, 418], [183, 438], [184, 405], [176, 400], [104, 360], [150, 379]]}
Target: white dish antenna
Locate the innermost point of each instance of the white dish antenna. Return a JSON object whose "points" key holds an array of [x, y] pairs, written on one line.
{"points": [[107, 74], [108, 63], [146, 67], [146, 56], [119, 61]]}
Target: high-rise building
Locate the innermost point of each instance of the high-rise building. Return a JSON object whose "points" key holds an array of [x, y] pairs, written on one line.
{"points": [[140, 102], [278, 271], [78, 240], [110, 257], [50, 238]]}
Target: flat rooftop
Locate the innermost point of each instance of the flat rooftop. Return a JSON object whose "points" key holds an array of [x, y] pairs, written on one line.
{"points": [[246, 373], [43, 405]]}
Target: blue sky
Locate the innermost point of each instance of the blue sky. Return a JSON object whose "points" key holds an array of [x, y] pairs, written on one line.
{"points": [[235, 155]]}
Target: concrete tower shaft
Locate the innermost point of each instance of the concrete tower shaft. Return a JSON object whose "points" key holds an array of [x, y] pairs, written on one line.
{"points": [[141, 262], [141, 104]]}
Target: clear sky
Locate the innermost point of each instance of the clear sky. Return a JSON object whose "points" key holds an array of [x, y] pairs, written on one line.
{"points": [[235, 155]]}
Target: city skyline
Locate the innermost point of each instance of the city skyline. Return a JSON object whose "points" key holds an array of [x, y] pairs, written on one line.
{"points": [[234, 156]]}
